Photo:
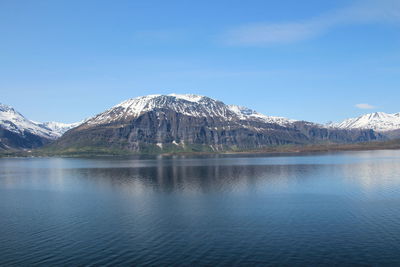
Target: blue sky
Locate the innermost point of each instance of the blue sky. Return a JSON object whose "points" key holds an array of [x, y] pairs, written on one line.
{"points": [[313, 60]]}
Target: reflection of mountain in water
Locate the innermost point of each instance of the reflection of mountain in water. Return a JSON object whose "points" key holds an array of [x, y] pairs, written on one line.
{"points": [[169, 178]]}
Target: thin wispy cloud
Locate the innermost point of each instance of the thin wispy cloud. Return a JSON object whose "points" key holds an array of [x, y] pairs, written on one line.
{"points": [[364, 106], [361, 12]]}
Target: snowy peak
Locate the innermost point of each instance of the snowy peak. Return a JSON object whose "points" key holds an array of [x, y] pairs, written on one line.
{"points": [[6, 108], [377, 116], [17, 123], [187, 104], [379, 121], [14, 121]]}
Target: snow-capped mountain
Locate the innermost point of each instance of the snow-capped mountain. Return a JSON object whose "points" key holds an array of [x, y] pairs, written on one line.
{"points": [[378, 121], [194, 123], [12, 120], [186, 104], [16, 131]]}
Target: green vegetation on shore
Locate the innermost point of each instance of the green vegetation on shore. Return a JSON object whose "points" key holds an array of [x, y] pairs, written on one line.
{"points": [[196, 149]]}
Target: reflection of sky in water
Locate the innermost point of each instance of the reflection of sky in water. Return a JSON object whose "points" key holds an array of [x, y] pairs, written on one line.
{"points": [[206, 160], [234, 174]]}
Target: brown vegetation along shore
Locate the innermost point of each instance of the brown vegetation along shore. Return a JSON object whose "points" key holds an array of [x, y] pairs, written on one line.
{"points": [[393, 144]]}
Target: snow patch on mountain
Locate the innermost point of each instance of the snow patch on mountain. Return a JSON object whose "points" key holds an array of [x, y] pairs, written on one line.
{"points": [[378, 121], [188, 97], [59, 128], [246, 113]]}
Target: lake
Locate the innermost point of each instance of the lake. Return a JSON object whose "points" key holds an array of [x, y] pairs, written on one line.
{"points": [[320, 209]]}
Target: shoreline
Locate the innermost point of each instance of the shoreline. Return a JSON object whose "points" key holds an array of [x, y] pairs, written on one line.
{"points": [[287, 150]]}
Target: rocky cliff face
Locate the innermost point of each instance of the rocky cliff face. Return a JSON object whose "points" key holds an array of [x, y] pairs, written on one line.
{"points": [[195, 123], [26, 140]]}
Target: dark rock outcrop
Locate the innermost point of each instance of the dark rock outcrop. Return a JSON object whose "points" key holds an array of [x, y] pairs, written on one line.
{"points": [[11, 141]]}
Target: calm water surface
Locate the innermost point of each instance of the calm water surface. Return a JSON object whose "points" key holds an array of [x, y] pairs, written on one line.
{"points": [[341, 208]]}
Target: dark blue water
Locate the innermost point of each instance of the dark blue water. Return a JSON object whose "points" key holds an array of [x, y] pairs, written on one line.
{"points": [[328, 209]]}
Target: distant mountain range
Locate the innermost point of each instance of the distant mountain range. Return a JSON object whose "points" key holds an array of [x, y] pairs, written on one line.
{"points": [[171, 123], [18, 132]]}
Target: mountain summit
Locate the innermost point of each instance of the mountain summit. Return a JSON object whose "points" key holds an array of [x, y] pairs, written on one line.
{"points": [[378, 121], [185, 104]]}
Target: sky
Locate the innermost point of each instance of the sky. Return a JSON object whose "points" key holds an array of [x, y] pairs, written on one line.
{"points": [[313, 60]]}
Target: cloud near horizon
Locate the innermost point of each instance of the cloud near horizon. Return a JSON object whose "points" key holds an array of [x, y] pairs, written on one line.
{"points": [[364, 106], [361, 12]]}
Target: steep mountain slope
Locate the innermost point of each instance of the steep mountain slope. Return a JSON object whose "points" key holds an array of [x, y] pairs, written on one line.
{"points": [[378, 121], [17, 132], [195, 123]]}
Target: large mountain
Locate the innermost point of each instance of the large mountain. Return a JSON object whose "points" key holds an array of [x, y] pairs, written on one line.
{"points": [[17, 132], [195, 123]]}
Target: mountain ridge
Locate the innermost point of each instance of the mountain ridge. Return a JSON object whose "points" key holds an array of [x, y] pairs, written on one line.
{"points": [[185, 122], [378, 121]]}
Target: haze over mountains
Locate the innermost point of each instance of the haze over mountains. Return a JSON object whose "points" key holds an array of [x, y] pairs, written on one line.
{"points": [[162, 123]]}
